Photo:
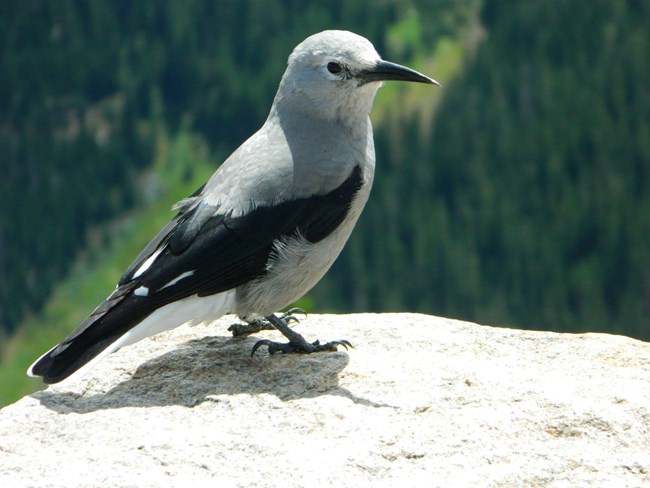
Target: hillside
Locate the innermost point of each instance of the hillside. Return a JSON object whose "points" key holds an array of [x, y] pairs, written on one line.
{"points": [[100, 266], [528, 202], [517, 195], [86, 88], [179, 147]]}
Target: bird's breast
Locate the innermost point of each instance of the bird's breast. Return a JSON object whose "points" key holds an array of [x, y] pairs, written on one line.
{"points": [[297, 264]]}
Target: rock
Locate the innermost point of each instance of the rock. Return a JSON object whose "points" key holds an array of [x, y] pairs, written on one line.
{"points": [[420, 400]]}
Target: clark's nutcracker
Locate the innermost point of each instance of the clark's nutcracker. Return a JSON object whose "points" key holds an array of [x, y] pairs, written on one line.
{"points": [[267, 225]]}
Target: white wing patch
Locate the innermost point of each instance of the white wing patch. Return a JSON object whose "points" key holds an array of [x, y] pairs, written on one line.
{"points": [[143, 291], [147, 264], [180, 277]]}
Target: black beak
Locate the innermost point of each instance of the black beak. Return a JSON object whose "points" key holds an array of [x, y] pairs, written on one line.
{"points": [[385, 70]]}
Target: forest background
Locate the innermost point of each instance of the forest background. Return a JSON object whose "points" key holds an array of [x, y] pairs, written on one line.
{"points": [[518, 195]]}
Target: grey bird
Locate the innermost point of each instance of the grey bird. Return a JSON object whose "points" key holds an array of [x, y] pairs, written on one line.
{"points": [[266, 226]]}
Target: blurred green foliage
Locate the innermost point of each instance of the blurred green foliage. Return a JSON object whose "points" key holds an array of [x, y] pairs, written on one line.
{"points": [[527, 203], [85, 86], [518, 195]]}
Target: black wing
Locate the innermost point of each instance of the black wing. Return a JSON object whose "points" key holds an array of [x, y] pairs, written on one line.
{"points": [[215, 253], [223, 252]]}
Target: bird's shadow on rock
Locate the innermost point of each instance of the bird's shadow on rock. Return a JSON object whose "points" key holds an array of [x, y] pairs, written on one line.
{"points": [[203, 369]]}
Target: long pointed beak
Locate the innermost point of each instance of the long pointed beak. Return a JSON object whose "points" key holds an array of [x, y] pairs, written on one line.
{"points": [[385, 70]]}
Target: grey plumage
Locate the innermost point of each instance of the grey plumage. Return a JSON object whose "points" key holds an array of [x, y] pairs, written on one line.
{"points": [[267, 225]]}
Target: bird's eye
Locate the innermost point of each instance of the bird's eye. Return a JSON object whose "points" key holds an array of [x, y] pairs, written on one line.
{"points": [[334, 68]]}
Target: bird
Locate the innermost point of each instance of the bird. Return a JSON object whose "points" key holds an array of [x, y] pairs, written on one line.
{"points": [[266, 226]]}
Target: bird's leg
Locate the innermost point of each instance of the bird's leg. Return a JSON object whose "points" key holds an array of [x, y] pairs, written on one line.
{"points": [[297, 343], [256, 325]]}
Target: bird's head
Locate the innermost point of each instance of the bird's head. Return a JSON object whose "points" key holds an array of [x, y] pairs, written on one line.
{"points": [[336, 74]]}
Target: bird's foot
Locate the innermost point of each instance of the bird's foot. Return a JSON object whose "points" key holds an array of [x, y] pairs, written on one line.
{"points": [[257, 325], [299, 347], [297, 343]]}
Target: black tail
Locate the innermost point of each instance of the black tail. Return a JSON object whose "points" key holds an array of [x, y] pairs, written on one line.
{"points": [[67, 358], [109, 321]]}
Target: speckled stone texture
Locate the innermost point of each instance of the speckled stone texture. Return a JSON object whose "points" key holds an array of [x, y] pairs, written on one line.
{"points": [[420, 400]]}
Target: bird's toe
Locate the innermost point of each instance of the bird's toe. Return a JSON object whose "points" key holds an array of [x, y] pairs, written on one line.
{"points": [[290, 315], [251, 327]]}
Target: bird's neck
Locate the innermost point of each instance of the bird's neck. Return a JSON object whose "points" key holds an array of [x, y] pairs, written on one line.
{"points": [[349, 109]]}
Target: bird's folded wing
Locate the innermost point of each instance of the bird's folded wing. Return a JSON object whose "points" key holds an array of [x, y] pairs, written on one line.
{"points": [[203, 252]]}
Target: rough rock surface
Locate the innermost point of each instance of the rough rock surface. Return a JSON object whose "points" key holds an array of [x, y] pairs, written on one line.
{"points": [[420, 400]]}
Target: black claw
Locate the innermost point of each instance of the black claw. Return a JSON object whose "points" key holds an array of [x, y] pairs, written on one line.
{"points": [[331, 346], [343, 342], [291, 311], [258, 344], [288, 316]]}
